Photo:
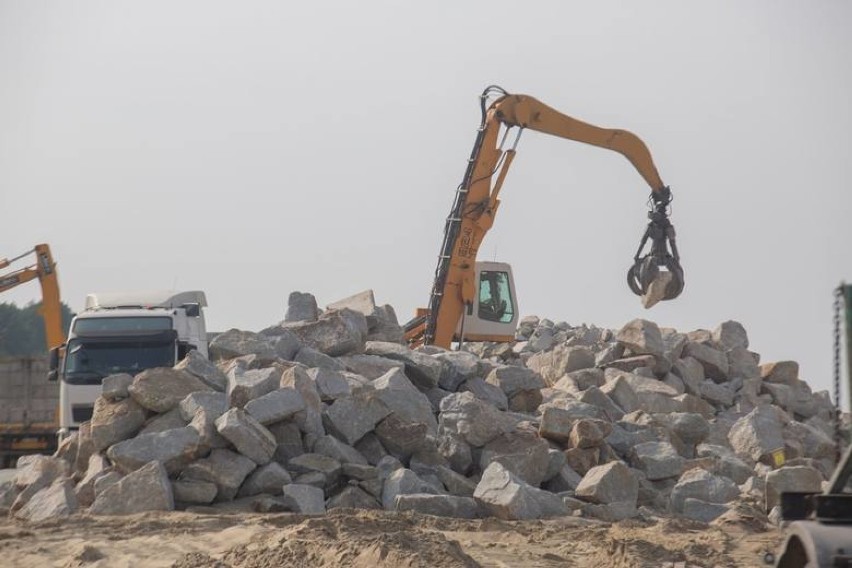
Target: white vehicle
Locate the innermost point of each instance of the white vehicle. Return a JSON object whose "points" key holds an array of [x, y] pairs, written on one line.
{"points": [[123, 333]]}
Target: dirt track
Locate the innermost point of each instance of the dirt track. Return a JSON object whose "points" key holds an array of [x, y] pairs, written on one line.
{"points": [[375, 539]]}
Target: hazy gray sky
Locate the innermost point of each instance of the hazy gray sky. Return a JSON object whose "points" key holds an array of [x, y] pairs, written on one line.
{"points": [[250, 149]]}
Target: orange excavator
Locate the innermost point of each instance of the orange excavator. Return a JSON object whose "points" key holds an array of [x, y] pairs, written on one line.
{"points": [[476, 301], [44, 269], [29, 410]]}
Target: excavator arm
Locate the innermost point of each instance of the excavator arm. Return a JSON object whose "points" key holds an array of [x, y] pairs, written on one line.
{"points": [[477, 201], [44, 270]]}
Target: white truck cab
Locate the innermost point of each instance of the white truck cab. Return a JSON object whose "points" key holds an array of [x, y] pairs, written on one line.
{"points": [[124, 333]]}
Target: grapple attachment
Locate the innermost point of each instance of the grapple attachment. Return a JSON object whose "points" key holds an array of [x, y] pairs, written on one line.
{"points": [[657, 275]]}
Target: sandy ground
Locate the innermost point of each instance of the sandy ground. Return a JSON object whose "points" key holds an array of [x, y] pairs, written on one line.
{"points": [[377, 539]]}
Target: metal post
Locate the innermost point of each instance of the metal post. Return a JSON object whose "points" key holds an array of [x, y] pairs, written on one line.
{"points": [[847, 301]]}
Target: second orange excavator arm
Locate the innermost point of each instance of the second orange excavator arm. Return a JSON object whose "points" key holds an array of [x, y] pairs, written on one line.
{"points": [[51, 307]]}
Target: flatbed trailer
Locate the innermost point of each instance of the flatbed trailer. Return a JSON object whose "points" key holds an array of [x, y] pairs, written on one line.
{"points": [[29, 409]]}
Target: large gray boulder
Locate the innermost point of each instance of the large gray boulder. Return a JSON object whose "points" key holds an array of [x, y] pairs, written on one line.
{"points": [[304, 499], [642, 337], [488, 392], [237, 343], [438, 505], [459, 366], [512, 379], [161, 389], [226, 469], [310, 420], [701, 484], [203, 369], [330, 384], [212, 403], [423, 370], [352, 497], [612, 482], [172, 449], [247, 384], [554, 364], [404, 400], [400, 437], [335, 333], [758, 434], [402, 482], [473, 420], [334, 448], [248, 435], [301, 306], [523, 453], [310, 463], [114, 387], [194, 492], [113, 422], [146, 489], [161, 422], [657, 460], [506, 496], [801, 479], [351, 418], [275, 406], [269, 479], [714, 361], [782, 372], [55, 501], [370, 366], [730, 335]]}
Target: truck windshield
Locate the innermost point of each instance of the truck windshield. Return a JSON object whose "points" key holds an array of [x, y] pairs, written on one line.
{"points": [[96, 325], [88, 362]]}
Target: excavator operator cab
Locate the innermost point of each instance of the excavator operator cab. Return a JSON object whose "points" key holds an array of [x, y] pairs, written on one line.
{"points": [[495, 297], [493, 317]]}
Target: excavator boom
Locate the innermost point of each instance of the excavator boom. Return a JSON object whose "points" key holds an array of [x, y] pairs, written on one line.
{"points": [[477, 200], [44, 270]]}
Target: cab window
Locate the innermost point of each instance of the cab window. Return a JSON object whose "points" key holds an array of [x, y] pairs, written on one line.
{"points": [[495, 297]]}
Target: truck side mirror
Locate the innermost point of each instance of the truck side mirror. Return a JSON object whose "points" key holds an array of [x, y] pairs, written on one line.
{"points": [[192, 310], [53, 364]]}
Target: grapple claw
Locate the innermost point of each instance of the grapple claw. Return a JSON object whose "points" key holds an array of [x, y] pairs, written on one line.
{"points": [[645, 278]]}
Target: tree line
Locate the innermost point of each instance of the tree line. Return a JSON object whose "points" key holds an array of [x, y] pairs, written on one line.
{"points": [[22, 329]]}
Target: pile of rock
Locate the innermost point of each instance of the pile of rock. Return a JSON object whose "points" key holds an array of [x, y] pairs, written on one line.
{"points": [[330, 409]]}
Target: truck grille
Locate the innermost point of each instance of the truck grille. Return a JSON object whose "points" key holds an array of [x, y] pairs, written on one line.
{"points": [[81, 413]]}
